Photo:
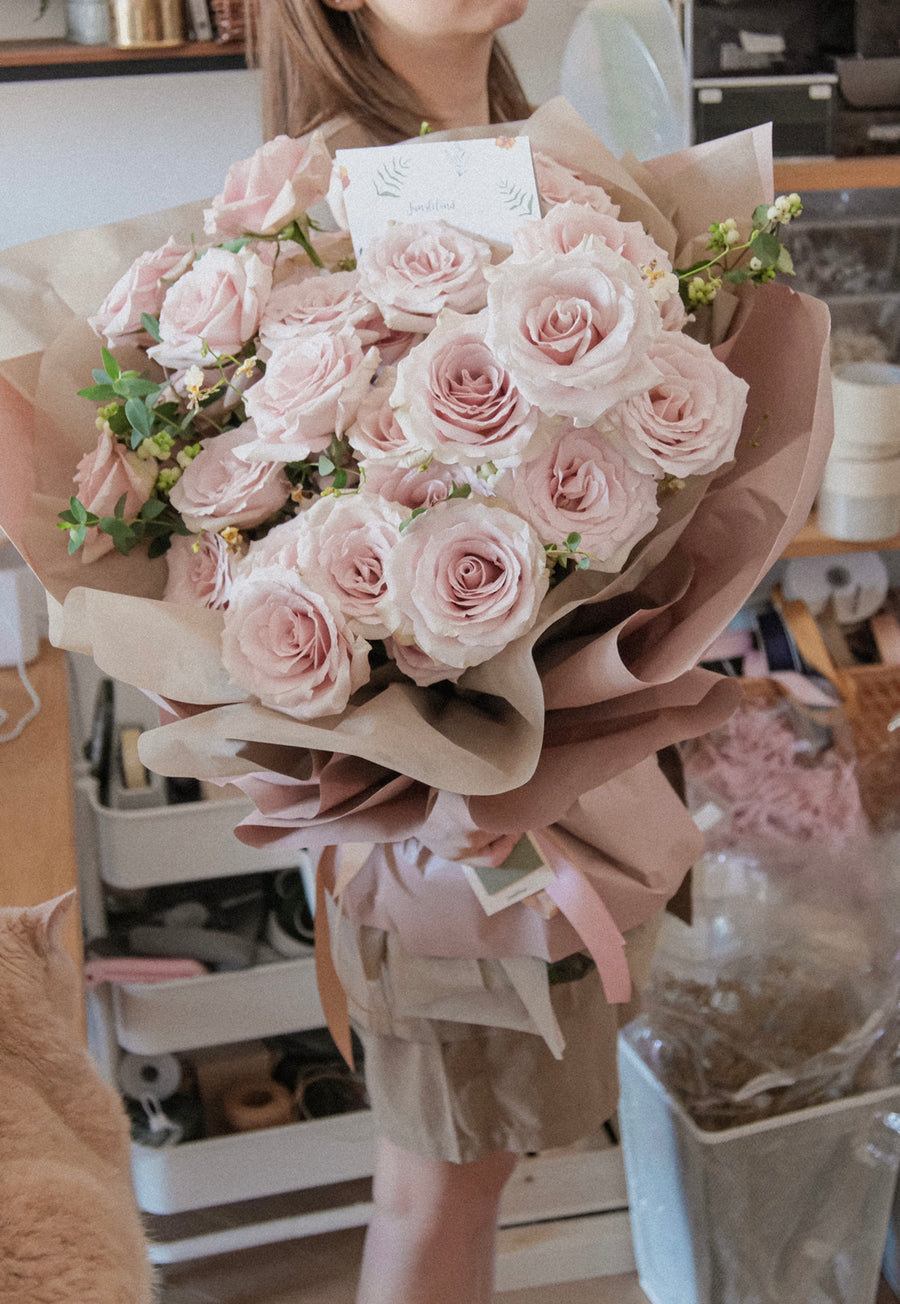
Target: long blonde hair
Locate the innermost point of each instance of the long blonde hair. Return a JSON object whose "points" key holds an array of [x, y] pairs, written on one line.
{"points": [[317, 63]]}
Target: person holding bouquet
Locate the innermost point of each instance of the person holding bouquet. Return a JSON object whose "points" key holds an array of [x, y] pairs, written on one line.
{"points": [[454, 1101]]}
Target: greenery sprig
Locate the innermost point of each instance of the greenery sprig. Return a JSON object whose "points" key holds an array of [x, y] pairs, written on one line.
{"points": [[758, 259]]}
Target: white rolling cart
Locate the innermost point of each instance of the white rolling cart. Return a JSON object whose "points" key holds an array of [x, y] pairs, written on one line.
{"points": [[564, 1215]]}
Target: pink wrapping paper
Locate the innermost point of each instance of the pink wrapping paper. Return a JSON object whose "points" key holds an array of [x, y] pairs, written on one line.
{"points": [[536, 737]]}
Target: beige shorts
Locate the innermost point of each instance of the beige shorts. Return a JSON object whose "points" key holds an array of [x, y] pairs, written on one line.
{"points": [[463, 1057]]}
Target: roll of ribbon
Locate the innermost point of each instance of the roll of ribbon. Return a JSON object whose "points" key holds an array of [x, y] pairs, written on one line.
{"points": [[149, 1075], [255, 1103], [855, 583]]}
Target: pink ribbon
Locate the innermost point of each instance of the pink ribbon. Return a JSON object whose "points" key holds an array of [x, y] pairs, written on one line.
{"points": [[589, 916]]}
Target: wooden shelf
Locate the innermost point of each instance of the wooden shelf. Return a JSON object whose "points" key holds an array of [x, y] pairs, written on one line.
{"points": [[877, 170], [35, 60], [811, 542]]}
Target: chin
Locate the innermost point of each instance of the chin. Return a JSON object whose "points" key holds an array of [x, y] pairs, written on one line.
{"points": [[510, 11]]}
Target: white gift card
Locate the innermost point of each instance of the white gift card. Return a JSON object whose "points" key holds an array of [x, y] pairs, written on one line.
{"points": [[483, 186], [522, 874]]}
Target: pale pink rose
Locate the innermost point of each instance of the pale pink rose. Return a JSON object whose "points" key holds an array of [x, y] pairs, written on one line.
{"points": [[140, 290], [219, 302], [376, 433], [411, 661], [422, 485], [342, 544], [584, 485], [274, 186], [465, 580], [454, 398], [558, 184], [102, 477], [568, 225], [313, 304], [334, 248], [416, 269], [574, 331], [289, 646], [689, 421], [201, 570], [218, 488], [310, 391], [392, 345]]}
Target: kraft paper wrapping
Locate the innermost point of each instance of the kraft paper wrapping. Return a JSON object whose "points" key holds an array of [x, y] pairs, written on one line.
{"points": [[605, 679]]}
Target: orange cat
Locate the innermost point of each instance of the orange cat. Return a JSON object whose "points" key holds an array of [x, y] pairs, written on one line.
{"points": [[70, 1231]]}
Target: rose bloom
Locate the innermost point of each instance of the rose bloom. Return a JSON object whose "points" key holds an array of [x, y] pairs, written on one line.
{"points": [[689, 421], [568, 225], [420, 486], [201, 570], [376, 433], [343, 542], [465, 580], [574, 331], [313, 304], [585, 485], [289, 645], [411, 661], [310, 391], [558, 184], [416, 269], [455, 399], [140, 290], [218, 488], [218, 301], [102, 477], [274, 186]]}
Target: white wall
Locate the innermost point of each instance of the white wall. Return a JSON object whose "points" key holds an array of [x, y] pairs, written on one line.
{"points": [[80, 151]]}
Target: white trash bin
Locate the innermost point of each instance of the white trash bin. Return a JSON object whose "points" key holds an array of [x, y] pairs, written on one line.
{"points": [[788, 1210]]}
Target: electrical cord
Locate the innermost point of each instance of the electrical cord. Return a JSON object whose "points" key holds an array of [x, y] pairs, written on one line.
{"points": [[29, 714]]}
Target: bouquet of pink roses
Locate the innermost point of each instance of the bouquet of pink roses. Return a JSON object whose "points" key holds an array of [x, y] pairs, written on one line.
{"points": [[396, 460], [430, 541]]}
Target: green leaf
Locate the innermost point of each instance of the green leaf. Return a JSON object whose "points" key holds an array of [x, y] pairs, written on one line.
{"points": [[760, 216], [76, 539], [417, 512], [79, 511], [235, 246], [151, 326], [326, 466], [135, 387], [139, 418], [573, 540], [785, 262], [101, 377], [152, 508], [113, 370], [99, 393], [159, 547], [766, 247], [737, 275], [340, 478]]}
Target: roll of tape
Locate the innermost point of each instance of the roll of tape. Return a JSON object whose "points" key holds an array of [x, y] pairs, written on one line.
{"points": [[254, 1103], [149, 1075], [856, 584], [133, 773], [862, 479]]}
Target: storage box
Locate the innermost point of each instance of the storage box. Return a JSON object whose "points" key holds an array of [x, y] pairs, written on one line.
{"points": [[787, 1210], [198, 1174], [268, 1000], [173, 844]]}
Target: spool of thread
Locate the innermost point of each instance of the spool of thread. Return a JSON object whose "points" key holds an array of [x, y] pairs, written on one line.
{"points": [[254, 1103], [856, 584], [149, 1075]]}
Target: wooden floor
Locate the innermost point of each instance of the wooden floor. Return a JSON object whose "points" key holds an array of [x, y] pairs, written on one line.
{"points": [[323, 1270]]}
